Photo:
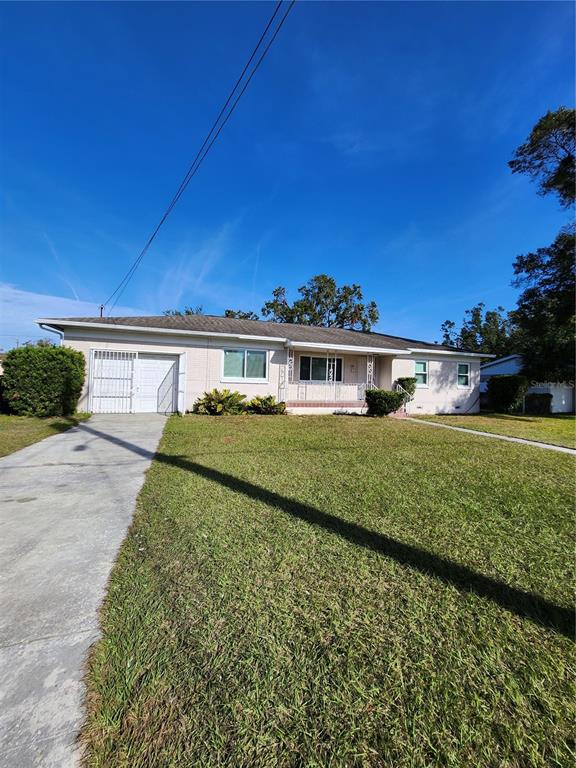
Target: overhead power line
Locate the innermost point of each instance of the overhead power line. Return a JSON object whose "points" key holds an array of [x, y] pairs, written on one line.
{"points": [[259, 53]]}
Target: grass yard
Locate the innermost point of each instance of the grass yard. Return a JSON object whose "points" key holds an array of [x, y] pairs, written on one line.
{"points": [[339, 591], [19, 431], [557, 430]]}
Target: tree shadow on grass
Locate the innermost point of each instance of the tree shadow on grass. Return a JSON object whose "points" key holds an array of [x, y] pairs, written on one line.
{"points": [[524, 604]]}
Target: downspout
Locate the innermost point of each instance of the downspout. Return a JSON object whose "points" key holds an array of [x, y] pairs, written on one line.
{"points": [[51, 329]]}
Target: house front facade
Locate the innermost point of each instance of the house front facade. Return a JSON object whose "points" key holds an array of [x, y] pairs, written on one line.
{"points": [[163, 364]]}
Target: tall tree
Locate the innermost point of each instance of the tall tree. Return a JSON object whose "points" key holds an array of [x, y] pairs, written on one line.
{"points": [[240, 314], [491, 331], [323, 303], [548, 155], [199, 310], [545, 314]]}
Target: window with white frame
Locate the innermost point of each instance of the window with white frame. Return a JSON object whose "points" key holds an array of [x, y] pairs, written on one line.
{"points": [[421, 373], [320, 368], [463, 374], [245, 364]]}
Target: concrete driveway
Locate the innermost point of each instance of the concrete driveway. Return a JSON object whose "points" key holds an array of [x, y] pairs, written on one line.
{"points": [[65, 506]]}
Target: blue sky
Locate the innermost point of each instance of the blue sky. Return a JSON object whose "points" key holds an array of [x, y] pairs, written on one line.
{"points": [[372, 145]]}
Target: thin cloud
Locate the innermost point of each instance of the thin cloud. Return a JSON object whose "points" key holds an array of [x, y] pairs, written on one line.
{"points": [[58, 260]]}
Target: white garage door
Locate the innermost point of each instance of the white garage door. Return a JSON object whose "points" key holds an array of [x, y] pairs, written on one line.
{"points": [[132, 382], [156, 384]]}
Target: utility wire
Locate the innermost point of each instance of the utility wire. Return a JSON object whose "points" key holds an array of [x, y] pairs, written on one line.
{"points": [[211, 137]]}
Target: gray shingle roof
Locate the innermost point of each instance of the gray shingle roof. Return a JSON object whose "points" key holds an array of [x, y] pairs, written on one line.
{"points": [[304, 333]]}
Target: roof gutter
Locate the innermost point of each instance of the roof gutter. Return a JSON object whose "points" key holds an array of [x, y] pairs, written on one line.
{"points": [[344, 348], [51, 329], [459, 353]]}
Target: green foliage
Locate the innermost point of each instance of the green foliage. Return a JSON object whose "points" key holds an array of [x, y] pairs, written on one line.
{"points": [[322, 303], [381, 402], [538, 403], [266, 405], [548, 155], [408, 383], [43, 380], [490, 331], [506, 392], [545, 314], [240, 315], [219, 402], [199, 310]]}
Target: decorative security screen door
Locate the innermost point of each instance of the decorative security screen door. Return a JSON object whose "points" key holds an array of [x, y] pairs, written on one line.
{"points": [[112, 381]]}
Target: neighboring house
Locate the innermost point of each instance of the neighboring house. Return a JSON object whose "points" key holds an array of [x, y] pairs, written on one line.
{"points": [[149, 364], [562, 394]]}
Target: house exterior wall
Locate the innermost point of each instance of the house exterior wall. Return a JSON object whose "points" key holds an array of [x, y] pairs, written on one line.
{"points": [[442, 394], [203, 365]]}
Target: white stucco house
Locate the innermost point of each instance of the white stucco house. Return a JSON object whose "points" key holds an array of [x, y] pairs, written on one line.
{"points": [[562, 394], [163, 364]]}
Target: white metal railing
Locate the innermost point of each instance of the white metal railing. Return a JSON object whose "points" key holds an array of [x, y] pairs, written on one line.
{"points": [[317, 392], [407, 396]]}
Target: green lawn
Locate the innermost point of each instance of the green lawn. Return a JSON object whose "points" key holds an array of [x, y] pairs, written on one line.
{"points": [[19, 431], [558, 430], [339, 591]]}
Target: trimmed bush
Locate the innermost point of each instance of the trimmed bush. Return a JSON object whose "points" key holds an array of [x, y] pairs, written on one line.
{"points": [[538, 403], [220, 402], [266, 405], [381, 402], [506, 392], [42, 380], [408, 383]]}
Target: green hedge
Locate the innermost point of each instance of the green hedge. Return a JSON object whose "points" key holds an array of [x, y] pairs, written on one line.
{"points": [[381, 402], [42, 381], [506, 392]]}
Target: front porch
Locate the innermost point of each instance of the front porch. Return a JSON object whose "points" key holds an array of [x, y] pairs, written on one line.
{"points": [[323, 380]]}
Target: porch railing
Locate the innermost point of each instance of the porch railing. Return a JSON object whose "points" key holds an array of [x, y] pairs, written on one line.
{"points": [[330, 392]]}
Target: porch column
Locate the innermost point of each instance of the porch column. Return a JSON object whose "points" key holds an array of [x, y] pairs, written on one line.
{"points": [[369, 371], [286, 375]]}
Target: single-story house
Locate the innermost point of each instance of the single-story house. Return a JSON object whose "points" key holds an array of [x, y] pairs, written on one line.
{"points": [[562, 394], [151, 364]]}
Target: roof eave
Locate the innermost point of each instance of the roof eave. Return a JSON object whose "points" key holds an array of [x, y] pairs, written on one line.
{"points": [[152, 329]]}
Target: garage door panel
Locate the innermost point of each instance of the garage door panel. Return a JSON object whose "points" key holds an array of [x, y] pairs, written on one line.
{"points": [[128, 382], [156, 383], [112, 381]]}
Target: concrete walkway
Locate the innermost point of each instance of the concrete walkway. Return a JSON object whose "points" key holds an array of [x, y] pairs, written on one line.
{"points": [[548, 446], [65, 506]]}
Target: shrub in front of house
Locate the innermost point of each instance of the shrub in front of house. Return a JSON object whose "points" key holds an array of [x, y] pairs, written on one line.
{"points": [[266, 405], [42, 380], [538, 403], [506, 392], [381, 402], [220, 402]]}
